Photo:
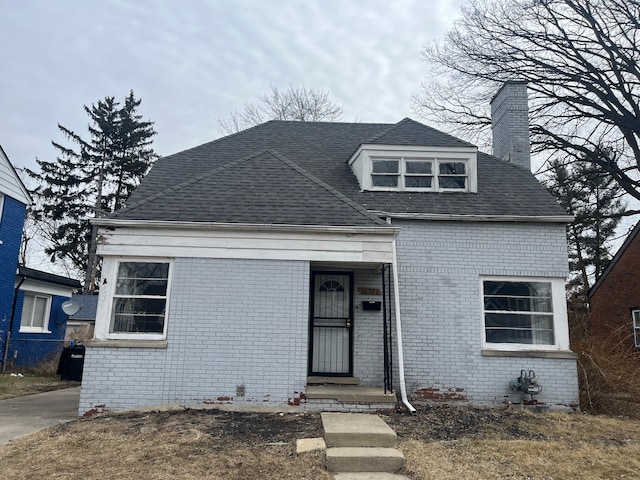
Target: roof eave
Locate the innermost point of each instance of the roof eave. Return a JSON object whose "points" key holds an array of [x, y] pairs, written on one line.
{"points": [[46, 277], [167, 224], [385, 147], [477, 218]]}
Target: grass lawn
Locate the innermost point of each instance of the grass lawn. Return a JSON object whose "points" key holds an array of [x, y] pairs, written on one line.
{"points": [[440, 443], [29, 384]]}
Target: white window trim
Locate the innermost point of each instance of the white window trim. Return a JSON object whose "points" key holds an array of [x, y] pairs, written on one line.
{"points": [[560, 322], [635, 318], [434, 175], [362, 165], [47, 315], [1, 206], [107, 292]]}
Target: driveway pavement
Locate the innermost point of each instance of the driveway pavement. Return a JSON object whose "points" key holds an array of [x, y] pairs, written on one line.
{"points": [[22, 415]]}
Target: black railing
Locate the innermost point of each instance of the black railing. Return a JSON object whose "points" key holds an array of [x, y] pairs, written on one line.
{"points": [[387, 327]]}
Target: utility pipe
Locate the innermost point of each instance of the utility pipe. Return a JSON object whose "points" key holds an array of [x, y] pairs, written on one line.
{"points": [[5, 356], [396, 295]]}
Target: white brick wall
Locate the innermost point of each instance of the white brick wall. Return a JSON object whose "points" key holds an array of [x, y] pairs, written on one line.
{"points": [[368, 345], [440, 264], [245, 323], [231, 323]]}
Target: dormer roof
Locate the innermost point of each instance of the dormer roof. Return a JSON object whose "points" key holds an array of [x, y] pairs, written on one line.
{"points": [[410, 132]]}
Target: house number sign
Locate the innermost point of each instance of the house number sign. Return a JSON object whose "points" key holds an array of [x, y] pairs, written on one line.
{"points": [[369, 291]]}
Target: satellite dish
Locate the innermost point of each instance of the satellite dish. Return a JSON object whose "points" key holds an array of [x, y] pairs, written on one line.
{"points": [[71, 307]]}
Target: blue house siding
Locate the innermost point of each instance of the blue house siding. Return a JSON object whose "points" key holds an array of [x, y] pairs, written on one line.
{"points": [[30, 349], [11, 225]]}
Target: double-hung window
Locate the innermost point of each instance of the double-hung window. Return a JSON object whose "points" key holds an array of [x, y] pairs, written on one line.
{"points": [[35, 313], [524, 313], [635, 315], [452, 175], [140, 299], [419, 174]]}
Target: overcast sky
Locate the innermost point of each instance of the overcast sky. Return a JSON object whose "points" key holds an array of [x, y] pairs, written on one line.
{"points": [[193, 61]]}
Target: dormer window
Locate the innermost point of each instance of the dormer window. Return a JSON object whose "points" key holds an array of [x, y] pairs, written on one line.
{"points": [[415, 169], [418, 174], [385, 173]]}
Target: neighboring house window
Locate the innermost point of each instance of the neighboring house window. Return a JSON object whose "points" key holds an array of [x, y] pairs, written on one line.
{"points": [[421, 174], [636, 327], [524, 313], [140, 299], [35, 313], [1, 206]]}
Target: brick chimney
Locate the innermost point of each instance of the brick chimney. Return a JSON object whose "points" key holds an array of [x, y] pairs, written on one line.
{"points": [[510, 124]]}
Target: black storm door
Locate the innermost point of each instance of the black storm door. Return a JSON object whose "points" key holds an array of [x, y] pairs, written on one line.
{"points": [[331, 324]]}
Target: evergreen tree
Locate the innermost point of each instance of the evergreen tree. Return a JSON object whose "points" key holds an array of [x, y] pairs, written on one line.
{"points": [[91, 178], [594, 198]]}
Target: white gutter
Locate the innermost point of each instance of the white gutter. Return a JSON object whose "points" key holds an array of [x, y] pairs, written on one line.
{"points": [[476, 218], [165, 224], [396, 295]]}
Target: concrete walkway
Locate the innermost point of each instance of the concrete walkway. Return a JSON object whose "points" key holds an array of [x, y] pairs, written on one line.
{"points": [[22, 415]]}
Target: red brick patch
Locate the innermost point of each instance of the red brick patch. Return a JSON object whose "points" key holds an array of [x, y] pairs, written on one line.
{"points": [[437, 394]]}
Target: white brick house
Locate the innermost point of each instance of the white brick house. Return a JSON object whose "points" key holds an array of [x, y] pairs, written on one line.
{"points": [[393, 256]]}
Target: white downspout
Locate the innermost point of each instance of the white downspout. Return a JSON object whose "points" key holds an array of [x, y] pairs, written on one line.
{"points": [[396, 298]]}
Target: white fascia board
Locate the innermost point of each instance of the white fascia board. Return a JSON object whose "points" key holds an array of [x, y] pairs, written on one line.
{"points": [[36, 286], [477, 218], [258, 227], [338, 244], [410, 148]]}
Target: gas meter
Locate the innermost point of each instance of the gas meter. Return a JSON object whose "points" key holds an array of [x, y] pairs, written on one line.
{"points": [[526, 384]]}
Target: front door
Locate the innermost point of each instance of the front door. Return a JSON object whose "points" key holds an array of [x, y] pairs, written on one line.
{"points": [[331, 324]]}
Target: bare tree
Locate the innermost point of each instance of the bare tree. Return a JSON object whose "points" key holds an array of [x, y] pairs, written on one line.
{"points": [[301, 104], [582, 64]]}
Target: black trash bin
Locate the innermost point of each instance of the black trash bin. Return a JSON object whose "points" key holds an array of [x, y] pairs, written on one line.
{"points": [[71, 363]]}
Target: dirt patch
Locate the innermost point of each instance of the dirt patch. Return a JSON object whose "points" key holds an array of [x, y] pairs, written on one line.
{"points": [[443, 422], [251, 427]]}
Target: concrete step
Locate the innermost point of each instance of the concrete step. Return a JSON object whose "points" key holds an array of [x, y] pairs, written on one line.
{"points": [[364, 459], [356, 430], [315, 380], [369, 476], [350, 394]]}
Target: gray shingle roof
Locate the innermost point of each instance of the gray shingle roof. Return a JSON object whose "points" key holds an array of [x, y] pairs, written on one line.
{"points": [[288, 182], [264, 188], [410, 132]]}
